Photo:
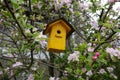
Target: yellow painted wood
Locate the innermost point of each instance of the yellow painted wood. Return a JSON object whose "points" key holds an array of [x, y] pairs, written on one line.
{"points": [[57, 40], [58, 31]]}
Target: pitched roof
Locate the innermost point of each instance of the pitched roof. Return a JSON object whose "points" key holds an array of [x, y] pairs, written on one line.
{"points": [[66, 22]]}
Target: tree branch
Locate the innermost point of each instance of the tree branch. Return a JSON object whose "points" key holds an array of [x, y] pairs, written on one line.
{"points": [[12, 13]]}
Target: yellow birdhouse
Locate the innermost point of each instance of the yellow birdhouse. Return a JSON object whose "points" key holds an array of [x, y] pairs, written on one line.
{"points": [[58, 31]]}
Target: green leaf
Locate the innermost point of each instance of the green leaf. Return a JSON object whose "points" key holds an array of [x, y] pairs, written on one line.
{"points": [[23, 47], [15, 3], [107, 25], [117, 30], [33, 1]]}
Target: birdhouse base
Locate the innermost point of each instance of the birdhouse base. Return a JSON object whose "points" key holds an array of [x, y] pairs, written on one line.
{"points": [[55, 50]]}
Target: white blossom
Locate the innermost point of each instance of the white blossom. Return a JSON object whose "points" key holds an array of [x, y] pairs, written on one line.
{"points": [[31, 77], [8, 55], [94, 25], [43, 43], [90, 49], [27, 31], [53, 78], [41, 38], [113, 75], [74, 56], [33, 68], [102, 71], [110, 69], [34, 29], [17, 64], [66, 1], [89, 73]]}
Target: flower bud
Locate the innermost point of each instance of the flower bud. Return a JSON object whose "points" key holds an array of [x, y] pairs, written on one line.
{"points": [[94, 58], [97, 54]]}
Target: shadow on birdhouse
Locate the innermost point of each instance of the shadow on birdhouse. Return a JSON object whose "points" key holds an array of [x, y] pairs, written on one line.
{"points": [[58, 30]]}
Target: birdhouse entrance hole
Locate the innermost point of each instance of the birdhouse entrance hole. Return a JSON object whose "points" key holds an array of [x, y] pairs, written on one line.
{"points": [[58, 31]]}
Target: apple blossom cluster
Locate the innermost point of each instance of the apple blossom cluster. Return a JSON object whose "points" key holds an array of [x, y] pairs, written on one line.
{"points": [[113, 52], [110, 70], [58, 4], [74, 56], [84, 5]]}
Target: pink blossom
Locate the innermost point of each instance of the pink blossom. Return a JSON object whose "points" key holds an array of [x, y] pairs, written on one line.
{"points": [[1, 21], [111, 1], [74, 56], [17, 64], [103, 28], [11, 72], [66, 1], [43, 44], [1, 72], [56, 4], [97, 54], [94, 58]]}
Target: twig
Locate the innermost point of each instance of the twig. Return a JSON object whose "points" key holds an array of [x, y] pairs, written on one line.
{"points": [[104, 41]]}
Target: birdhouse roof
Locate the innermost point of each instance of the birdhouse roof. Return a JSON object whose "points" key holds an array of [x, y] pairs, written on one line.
{"points": [[67, 26]]}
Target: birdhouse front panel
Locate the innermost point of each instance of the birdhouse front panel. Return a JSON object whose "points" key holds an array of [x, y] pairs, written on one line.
{"points": [[58, 31], [57, 40]]}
